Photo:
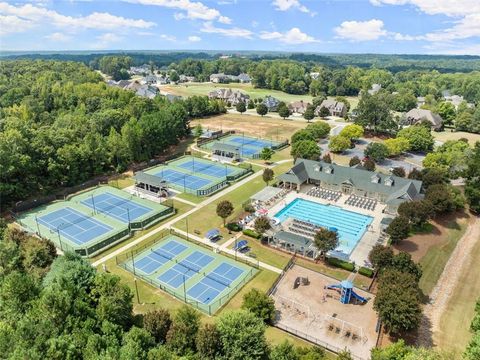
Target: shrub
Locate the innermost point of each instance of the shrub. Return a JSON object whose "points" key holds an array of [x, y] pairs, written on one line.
{"points": [[234, 226], [341, 264], [366, 272], [251, 233]]}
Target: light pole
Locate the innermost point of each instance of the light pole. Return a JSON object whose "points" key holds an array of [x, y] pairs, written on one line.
{"points": [[186, 223], [184, 289], [136, 290]]}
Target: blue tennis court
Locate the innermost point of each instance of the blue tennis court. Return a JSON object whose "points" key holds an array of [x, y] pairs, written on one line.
{"points": [[209, 287], [73, 225], [116, 207], [205, 168], [182, 179], [185, 269], [160, 256], [246, 140]]}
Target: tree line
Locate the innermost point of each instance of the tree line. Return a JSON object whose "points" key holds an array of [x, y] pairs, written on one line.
{"points": [[60, 125]]}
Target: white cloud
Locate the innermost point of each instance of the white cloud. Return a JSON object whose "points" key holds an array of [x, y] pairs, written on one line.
{"points": [[454, 49], [234, 32], [35, 15], [104, 41], [194, 38], [292, 36], [193, 10], [168, 37], [284, 5], [361, 30], [58, 37], [13, 24]]}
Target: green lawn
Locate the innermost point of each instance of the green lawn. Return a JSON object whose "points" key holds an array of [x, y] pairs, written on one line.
{"points": [[455, 321], [437, 256], [448, 135]]}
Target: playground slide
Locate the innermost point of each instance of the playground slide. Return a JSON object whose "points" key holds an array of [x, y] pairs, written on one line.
{"points": [[334, 287], [358, 297]]}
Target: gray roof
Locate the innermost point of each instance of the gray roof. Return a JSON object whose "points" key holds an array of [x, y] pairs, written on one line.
{"points": [[266, 193], [291, 238], [394, 187], [141, 177], [225, 147], [416, 115]]}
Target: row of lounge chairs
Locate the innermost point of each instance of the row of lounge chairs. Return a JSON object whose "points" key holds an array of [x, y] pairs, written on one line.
{"points": [[303, 228], [324, 193], [361, 202]]}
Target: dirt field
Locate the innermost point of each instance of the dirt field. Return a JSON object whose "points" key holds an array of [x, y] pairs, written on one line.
{"points": [[253, 125], [317, 313], [448, 135]]}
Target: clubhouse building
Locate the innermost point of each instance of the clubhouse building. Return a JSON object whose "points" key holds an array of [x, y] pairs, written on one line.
{"points": [[386, 189]]}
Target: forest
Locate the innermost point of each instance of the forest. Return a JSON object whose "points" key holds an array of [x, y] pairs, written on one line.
{"points": [[60, 125]]}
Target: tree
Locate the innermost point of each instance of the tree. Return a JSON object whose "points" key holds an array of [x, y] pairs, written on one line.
{"points": [[262, 109], [240, 107], [344, 355], [444, 198], [283, 111], [284, 351], [224, 210], [404, 101], [260, 304], [415, 174], [399, 171], [403, 262], [325, 240], [309, 113], [302, 134], [397, 301], [447, 112], [338, 143], [251, 105], [352, 131], [433, 176], [305, 149], [323, 112], [416, 212], [450, 157], [376, 151], [182, 333], [209, 346], [398, 229], [464, 121], [397, 146], [472, 175], [369, 164], [374, 112], [157, 323], [135, 344], [327, 158], [198, 130], [262, 224], [242, 335], [267, 175], [418, 136], [354, 161], [380, 257], [266, 154], [319, 129]]}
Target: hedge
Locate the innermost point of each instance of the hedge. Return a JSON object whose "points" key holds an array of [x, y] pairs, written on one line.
{"points": [[251, 233], [234, 227], [366, 272], [340, 263]]}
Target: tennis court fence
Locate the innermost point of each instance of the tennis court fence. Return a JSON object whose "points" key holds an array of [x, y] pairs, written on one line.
{"points": [[126, 260]]}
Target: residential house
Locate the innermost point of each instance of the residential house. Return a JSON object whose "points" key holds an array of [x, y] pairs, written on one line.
{"points": [[374, 89], [416, 116], [336, 108], [314, 75], [298, 107], [139, 70], [147, 91], [133, 86], [420, 101], [244, 78], [271, 103], [185, 78], [219, 78], [149, 80], [387, 189], [229, 96]]}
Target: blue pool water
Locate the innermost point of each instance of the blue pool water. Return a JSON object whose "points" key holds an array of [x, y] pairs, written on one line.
{"points": [[350, 225]]}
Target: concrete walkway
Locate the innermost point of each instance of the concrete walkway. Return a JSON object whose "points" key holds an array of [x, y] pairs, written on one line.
{"points": [[168, 224]]}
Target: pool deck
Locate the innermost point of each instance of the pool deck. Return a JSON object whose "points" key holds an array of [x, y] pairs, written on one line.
{"points": [[360, 253]]}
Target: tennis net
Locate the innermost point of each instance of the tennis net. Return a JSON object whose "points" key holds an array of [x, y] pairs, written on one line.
{"points": [[189, 267], [213, 277], [168, 257]]}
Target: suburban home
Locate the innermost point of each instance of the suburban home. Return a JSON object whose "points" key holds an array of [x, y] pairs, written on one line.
{"points": [[185, 78], [244, 78], [416, 116], [133, 86], [375, 88], [229, 96], [147, 91], [298, 107], [139, 70], [314, 75], [336, 108], [219, 78], [271, 103], [149, 80], [420, 101], [387, 189]]}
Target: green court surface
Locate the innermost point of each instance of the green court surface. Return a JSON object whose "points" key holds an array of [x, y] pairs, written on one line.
{"points": [[189, 272], [93, 220], [197, 176]]}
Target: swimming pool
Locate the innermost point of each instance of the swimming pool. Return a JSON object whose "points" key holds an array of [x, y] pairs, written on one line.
{"points": [[350, 225]]}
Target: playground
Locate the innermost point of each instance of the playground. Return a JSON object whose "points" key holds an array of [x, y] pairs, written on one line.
{"points": [[326, 311]]}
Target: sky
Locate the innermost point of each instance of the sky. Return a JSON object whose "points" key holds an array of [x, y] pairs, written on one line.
{"points": [[334, 26]]}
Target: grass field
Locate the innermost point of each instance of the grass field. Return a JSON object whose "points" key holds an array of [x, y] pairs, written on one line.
{"points": [[448, 135], [460, 309], [204, 88], [437, 256]]}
